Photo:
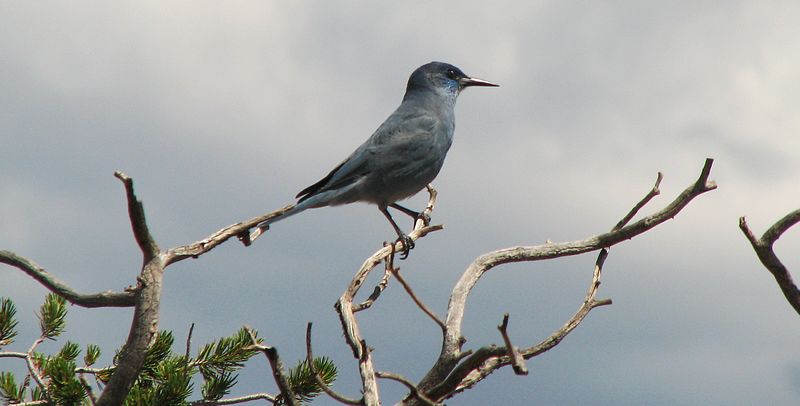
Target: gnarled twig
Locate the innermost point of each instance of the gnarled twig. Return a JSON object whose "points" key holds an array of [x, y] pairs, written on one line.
{"points": [[278, 371], [103, 299], [148, 299], [764, 249], [344, 306], [325, 388], [454, 372]]}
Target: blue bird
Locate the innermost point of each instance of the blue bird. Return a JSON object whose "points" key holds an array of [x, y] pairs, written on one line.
{"points": [[401, 157]]}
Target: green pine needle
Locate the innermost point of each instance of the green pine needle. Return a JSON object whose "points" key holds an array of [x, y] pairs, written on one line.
{"points": [[52, 316], [165, 379], [37, 393], [169, 383], [174, 381], [226, 354], [9, 391], [63, 387], [40, 360], [69, 351], [302, 381], [104, 375], [217, 386], [158, 352], [92, 354], [7, 321]]}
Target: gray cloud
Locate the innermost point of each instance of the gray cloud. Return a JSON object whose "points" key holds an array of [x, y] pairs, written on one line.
{"points": [[224, 111]]}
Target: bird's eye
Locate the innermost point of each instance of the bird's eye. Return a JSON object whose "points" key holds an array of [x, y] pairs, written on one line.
{"points": [[451, 74]]}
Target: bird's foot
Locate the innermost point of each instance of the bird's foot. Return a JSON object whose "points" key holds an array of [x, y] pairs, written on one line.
{"points": [[247, 237], [244, 237], [408, 245]]}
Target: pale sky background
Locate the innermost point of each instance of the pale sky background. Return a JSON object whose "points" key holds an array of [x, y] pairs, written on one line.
{"points": [[221, 111]]}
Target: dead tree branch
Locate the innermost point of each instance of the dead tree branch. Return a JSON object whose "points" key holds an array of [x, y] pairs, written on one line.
{"points": [[381, 286], [33, 370], [764, 249], [453, 371], [517, 362], [104, 299], [278, 372], [346, 309], [138, 221], [425, 309], [325, 388], [479, 364], [200, 247], [145, 315], [414, 393], [145, 297], [237, 400]]}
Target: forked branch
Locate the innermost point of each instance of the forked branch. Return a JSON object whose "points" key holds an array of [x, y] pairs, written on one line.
{"points": [[144, 325], [764, 249], [346, 308], [454, 371]]}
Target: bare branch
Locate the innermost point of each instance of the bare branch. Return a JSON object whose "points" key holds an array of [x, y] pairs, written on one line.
{"points": [[325, 388], [379, 288], [360, 350], [33, 370], [189, 341], [236, 400], [486, 360], [344, 306], [198, 248], [138, 221], [145, 298], [277, 369], [653, 193], [90, 370], [589, 303], [517, 362], [13, 354], [453, 371], [369, 382], [144, 325], [410, 385], [773, 233], [764, 249], [422, 306], [104, 299]]}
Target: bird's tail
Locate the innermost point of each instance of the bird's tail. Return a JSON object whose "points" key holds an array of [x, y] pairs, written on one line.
{"points": [[288, 211]]}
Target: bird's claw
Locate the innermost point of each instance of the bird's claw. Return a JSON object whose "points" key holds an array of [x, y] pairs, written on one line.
{"points": [[247, 237], [244, 237], [408, 245]]}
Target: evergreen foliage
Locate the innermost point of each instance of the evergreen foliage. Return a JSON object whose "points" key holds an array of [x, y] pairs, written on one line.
{"points": [[166, 377]]}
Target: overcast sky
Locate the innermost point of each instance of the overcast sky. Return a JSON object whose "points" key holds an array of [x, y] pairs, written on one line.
{"points": [[221, 111]]}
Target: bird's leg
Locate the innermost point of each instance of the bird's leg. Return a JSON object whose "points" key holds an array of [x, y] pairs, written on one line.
{"points": [[408, 243], [426, 219]]}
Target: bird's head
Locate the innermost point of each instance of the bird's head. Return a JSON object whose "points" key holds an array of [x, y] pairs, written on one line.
{"points": [[444, 78]]}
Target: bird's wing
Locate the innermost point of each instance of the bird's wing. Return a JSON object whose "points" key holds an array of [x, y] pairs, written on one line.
{"points": [[400, 128], [325, 183]]}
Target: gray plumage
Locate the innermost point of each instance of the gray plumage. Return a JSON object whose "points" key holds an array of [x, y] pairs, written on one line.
{"points": [[401, 157]]}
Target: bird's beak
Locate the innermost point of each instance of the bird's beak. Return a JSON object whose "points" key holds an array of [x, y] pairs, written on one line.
{"points": [[466, 82]]}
